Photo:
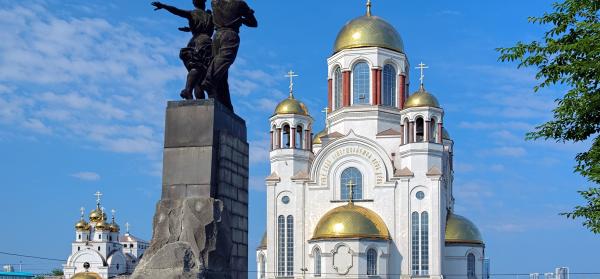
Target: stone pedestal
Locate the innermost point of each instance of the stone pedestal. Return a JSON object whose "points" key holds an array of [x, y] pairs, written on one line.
{"points": [[201, 221]]}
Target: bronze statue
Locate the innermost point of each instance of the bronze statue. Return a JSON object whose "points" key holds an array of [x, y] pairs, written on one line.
{"points": [[197, 55], [228, 17]]}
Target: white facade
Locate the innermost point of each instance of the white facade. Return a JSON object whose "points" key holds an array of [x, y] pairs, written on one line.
{"points": [[392, 155], [100, 249]]}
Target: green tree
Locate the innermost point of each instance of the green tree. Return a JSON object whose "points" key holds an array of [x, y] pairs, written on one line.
{"points": [[57, 272], [569, 56]]}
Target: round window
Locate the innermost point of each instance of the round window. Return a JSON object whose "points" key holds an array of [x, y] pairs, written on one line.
{"points": [[285, 200], [420, 195]]}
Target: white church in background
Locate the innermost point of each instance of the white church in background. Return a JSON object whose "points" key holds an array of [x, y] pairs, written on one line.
{"points": [[99, 250], [370, 195]]}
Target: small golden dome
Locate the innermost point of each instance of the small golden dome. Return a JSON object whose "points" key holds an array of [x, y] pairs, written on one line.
{"points": [[82, 225], [368, 31], [113, 227], [421, 98], [291, 106], [351, 221], [101, 225], [86, 275], [461, 230], [318, 136]]}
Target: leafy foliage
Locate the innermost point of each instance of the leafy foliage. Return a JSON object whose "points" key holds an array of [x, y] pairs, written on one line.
{"points": [[57, 272], [569, 55]]}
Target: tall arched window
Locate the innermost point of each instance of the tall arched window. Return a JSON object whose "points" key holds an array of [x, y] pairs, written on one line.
{"points": [[471, 266], [361, 81], [389, 86], [290, 245], [317, 254], [419, 130], [415, 243], [281, 245], [424, 243], [337, 88], [351, 175], [371, 262], [286, 140]]}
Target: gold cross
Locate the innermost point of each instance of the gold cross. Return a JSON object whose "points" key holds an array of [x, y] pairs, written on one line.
{"points": [[368, 7]]}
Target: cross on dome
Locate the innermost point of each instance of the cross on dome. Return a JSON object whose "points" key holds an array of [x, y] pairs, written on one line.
{"points": [[127, 227], [369, 7], [98, 195], [326, 111], [422, 67], [113, 214], [82, 210], [291, 75]]}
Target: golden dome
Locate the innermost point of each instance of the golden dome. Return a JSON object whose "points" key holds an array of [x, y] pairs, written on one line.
{"points": [[368, 31], [97, 215], [82, 225], [86, 275], [101, 225], [113, 227], [351, 221], [460, 230], [318, 136], [421, 98], [291, 106]]}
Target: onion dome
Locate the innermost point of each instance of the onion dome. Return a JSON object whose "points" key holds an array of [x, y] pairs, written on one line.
{"points": [[82, 225], [101, 225], [421, 98], [462, 231], [113, 227], [368, 31], [351, 221], [318, 136], [86, 275], [96, 215], [291, 106]]}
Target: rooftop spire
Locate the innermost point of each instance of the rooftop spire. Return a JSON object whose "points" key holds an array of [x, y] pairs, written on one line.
{"points": [[291, 75], [369, 7], [422, 67], [82, 209], [326, 111], [113, 215], [98, 195]]}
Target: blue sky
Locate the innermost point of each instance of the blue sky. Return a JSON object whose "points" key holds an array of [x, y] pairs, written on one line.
{"points": [[83, 87]]}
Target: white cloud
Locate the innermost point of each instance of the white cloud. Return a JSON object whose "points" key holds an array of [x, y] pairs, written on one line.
{"points": [[507, 151], [497, 167], [86, 175], [37, 126]]}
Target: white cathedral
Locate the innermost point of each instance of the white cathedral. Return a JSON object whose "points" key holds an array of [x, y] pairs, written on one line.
{"points": [[99, 250], [370, 195]]}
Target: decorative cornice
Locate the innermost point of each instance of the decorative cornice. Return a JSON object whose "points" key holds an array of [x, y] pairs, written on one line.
{"points": [[434, 171], [301, 175], [274, 178], [405, 172]]}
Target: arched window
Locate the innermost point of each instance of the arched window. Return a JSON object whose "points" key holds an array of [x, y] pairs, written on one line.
{"points": [[286, 140], [371, 262], [262, 265], [389, 86], [337, 88], [317, 254], [290, 245], [415, 243], [281, 245], [471, 266], [351, 175], [424, 243], [299, 137], [361, 81], [419, 130]]}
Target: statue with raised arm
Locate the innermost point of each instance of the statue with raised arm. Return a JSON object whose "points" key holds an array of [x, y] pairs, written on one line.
{"points": [[228, 17], [197, 55]]}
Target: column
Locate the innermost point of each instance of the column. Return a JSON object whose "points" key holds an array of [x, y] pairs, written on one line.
{"points": [[330, 94], [307, 140], [402, 90], [439, 132], [292, 137], [402, 135], [427, 131], [378, 87], [346, 88], [411, 132], [278, 139], [272, 143]]}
